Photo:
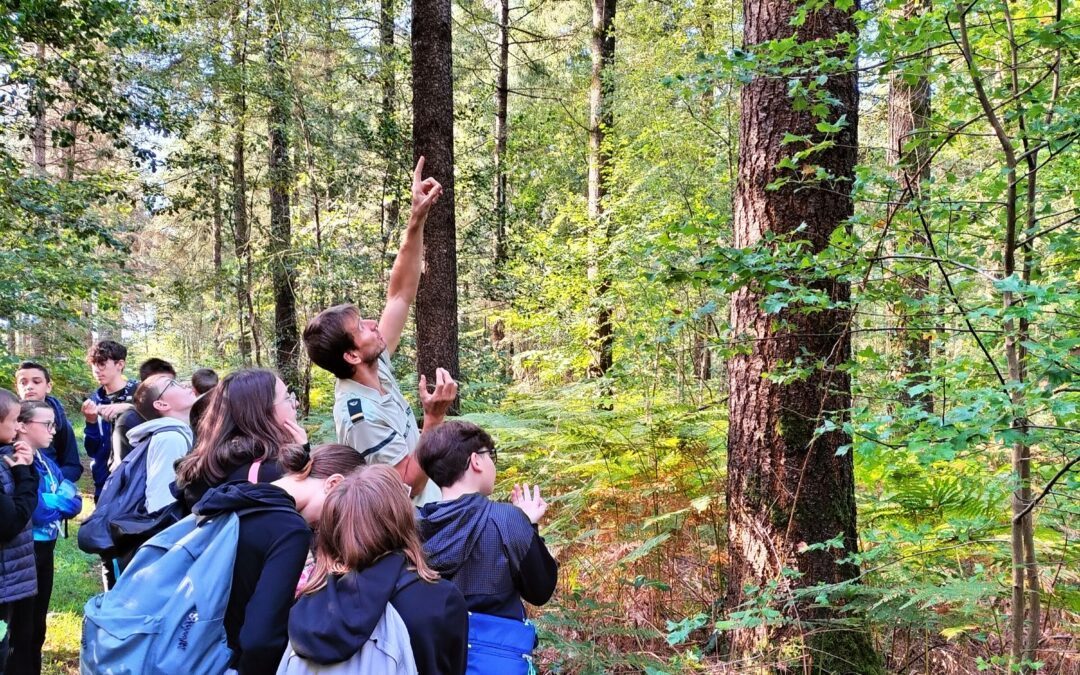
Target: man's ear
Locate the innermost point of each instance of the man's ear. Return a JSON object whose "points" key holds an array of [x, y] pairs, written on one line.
{"points": [[332, 482], [352, 357], [120, 363], [161, 406]]}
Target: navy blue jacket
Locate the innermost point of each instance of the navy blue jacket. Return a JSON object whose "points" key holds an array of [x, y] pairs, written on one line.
{"points": [[18, 499], [65, 449], [334, 623], [491, 552], [270, 555], [98, 436]]}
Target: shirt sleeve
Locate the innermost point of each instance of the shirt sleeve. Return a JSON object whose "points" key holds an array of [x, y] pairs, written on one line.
{"points": [[377, 442], [538, 572], [264, 635]]}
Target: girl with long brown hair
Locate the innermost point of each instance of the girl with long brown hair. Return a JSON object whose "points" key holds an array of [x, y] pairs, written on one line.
{"points": [[368, 556], [250, 417]]}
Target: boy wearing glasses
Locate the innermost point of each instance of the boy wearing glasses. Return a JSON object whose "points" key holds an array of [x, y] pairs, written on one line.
{"points": [[492, 551], [129, 417], [107, 360], [34, 383], [165, 405]]}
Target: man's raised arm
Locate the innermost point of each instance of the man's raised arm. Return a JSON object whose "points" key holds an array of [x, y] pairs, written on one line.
{"points": [[405, 275]]}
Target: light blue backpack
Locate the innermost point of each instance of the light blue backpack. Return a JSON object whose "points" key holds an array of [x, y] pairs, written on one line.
{"points": [[166, 613]]}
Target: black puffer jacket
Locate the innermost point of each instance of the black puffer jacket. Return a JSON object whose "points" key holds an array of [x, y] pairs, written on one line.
{"points": [[18, 499]]}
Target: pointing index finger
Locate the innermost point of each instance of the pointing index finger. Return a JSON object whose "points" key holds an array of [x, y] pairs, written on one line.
{"points": [[418, 173]]}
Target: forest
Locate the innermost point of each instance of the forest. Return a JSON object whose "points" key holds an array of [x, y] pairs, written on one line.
{"points": [[778, 300]]}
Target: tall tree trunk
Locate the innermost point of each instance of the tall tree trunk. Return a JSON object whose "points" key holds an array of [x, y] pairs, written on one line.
{"points": [[787, 488], [38, 109], [387, 129], [909, 155], [502, 93], [601, 118], [286, 335], [433, 138], [241, 226]]}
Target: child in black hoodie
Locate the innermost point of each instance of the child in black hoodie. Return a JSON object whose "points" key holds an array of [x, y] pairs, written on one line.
{"points": [[368, 555], [492, 551], [250, 438]]}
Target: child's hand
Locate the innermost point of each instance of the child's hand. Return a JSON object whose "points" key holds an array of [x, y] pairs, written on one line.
{"points": [[24, 454], [533, 505], [296, 431], [113, 410], [90, 411]]}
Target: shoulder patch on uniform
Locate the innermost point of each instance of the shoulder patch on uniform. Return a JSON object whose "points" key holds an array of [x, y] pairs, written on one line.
{"points": [[356, 410]]}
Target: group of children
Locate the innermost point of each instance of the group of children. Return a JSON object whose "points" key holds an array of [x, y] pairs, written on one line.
{"points": [[384, 548]]}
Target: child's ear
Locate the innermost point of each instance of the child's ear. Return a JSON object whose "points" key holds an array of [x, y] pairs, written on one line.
{"points": [[332, 482], [474, 462]]}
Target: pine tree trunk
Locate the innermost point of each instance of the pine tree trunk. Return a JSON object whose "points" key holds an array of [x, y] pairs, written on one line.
{"points": [[38, 110], [502, 93], [786, 488], [387, 129], [909, 155], [601, 119], [241, 227], [286, 334], [433, 138]]}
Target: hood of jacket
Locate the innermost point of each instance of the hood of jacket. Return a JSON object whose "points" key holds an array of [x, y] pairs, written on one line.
{"points": [[334, 623], [240, 496], [147, 429], [452, 529]]}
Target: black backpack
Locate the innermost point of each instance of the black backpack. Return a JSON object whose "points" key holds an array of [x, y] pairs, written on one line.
{"points": [[120, 523]]}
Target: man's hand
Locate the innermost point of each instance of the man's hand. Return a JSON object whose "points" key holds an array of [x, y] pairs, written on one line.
{"points": [[113, 410], [425, 192], [90, 411], [533, 504], [436, 403]]}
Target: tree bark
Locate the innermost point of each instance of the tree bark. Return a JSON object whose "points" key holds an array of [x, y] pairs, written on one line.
{"points": [[38, 109], [502, 93], [909, 155], [241, 227], [787, 488], [433, 138], [387, 129], [601, 119], [286, 334]]}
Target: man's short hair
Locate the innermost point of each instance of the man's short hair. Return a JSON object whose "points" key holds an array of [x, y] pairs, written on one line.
{"points": [[149, 391], [155, 366], [203, 380], [444, 452], [106, 350], [8, 402], [34, 365], [327, 338]]}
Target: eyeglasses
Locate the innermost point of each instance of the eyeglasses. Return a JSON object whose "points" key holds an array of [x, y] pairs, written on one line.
{"points": [[165, 389], [290, 398], [494, 452], [51, 426]]}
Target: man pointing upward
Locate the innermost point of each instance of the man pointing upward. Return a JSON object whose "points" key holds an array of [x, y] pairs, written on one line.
{"points": [[370, 413]]}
